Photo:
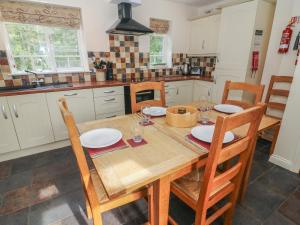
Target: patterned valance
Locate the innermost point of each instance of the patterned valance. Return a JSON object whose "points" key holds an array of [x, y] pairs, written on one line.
{"points": [[159, 26], [40, 14]]}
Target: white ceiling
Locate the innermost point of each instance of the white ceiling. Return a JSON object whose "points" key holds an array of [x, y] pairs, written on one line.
{"points": [[197, 3]]}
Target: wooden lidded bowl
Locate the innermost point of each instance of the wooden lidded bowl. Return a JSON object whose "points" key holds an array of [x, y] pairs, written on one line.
{"points": [[182, 116]]}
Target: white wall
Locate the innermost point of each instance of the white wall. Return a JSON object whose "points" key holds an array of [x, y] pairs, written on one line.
{"points": [[287, 150], [281, 64], [99, 15]]}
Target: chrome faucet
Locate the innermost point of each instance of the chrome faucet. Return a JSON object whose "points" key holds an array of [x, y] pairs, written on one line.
{"points": [[36, 81]]}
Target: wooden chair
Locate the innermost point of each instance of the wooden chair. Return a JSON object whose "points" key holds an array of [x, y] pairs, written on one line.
{"points": [[97, 200], [213, 186], [272, 105], [257, 90], [135, 88]]}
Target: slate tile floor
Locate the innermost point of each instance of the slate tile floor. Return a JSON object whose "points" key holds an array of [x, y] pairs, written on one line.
{"points": [[45, 189]]}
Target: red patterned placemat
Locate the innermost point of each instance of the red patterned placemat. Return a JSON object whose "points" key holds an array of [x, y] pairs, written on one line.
{"points": [[136, 144], [206, 124], [95, 152]]}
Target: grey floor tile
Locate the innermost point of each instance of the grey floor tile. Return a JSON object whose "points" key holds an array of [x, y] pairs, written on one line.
{"points": [[136, 211], [77, 219], [18, 218], [68, 182], [16, 181], [261, 200], [57, 209], [181, 213], [280, 180], [23, 164], [114, 217], [243, 217], [258, 169], [291, 208], [277, 219]]}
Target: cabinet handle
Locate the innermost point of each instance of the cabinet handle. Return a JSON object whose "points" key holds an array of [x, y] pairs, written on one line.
{"points": [[15, 111], [203, 43], [109, 92], [110, 100], [177, 92], [4, 112], [68, 95], [111, 116]]}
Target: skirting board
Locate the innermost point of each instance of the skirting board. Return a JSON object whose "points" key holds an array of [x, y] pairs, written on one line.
{"points": [[282, 162], [34, 150]]}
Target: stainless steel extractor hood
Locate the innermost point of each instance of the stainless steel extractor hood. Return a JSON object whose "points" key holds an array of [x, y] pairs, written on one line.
{"points": [[125, 24]]}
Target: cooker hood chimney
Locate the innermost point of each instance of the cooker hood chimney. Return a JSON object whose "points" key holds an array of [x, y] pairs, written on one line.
{"points": [[125, 24]]}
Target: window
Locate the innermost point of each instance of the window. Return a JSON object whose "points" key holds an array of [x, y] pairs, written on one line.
{"points": [[44, 49], [160, 50]]}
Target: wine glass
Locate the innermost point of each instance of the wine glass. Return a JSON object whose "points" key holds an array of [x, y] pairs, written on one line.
{"points": [[145, 116]]}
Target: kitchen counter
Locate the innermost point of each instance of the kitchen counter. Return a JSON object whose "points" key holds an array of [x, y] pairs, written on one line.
{"points": [[98, 84]]}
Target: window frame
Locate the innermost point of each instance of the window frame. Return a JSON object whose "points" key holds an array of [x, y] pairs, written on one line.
{"points": [[82, 53], [166, 53]]}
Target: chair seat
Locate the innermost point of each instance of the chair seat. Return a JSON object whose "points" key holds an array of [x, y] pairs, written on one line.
{"points": [[191, 184], [100, 191]]}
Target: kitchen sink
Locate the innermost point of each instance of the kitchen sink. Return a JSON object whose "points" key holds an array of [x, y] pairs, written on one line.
{"points": [[34, 87]]}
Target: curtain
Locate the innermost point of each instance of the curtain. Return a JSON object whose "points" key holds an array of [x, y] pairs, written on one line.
{"points": [[159, 26], [40, 14]]}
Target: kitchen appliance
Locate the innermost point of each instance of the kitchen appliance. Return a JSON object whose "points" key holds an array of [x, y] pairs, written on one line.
{"points": [[109, 71], [196, 70], [185, 69], [140, 97], [125, 24]]}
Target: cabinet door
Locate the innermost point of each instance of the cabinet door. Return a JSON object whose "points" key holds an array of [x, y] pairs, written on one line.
{"points": [[202, 90], [8, 137], [80, 103], [31, 119], [185, 94]]}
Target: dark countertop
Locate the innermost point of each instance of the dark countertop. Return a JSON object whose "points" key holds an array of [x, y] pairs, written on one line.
{"points": [[98, 84]]}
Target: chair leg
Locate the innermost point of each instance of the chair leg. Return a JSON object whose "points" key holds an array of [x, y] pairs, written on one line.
{"points": [[274, 139]]}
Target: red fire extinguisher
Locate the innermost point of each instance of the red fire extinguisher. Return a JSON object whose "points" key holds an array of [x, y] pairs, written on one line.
{"points": [[255, 61], [285, 40]]}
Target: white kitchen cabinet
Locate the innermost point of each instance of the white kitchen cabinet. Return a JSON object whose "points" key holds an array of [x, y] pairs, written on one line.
{"points": [[202, 89], [31, 119], [109, 102], [8, 137], [80, 103], [204, 35], [179, 92], [236, 43]]}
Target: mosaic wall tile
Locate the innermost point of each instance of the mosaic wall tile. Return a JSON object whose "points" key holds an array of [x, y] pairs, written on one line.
{"points": [[128, 63]]}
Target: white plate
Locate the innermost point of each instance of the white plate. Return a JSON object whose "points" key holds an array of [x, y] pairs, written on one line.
{"points": [[226, 108], [155, 111], [100, 138], [205, 133]]}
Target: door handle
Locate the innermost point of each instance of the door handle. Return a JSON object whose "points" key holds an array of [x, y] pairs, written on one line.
{"points": [[69, 95], [15, 111], [109, 92], [110, 100], [4, 112], [111, 116]]}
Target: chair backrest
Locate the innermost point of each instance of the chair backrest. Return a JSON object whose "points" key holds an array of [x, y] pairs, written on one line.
{"points": [[78, 151], [272, 91], [215, 185], [135, 88], [257, 90]]}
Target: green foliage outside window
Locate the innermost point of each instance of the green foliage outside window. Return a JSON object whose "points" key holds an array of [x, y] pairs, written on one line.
{"points": [[156, 50]]}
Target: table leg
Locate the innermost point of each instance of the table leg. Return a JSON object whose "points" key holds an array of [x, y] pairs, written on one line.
{"points": [[245, 179], [161, 196]]}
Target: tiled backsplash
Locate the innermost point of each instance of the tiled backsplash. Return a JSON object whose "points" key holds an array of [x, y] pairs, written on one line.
{"points": [[127, 60]]}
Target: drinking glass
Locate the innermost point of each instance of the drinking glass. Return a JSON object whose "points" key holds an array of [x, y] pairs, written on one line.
{"points": [[137, 132], [204, 108], [145, 117]]}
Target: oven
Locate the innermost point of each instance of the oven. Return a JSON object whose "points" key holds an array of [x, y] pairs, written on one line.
{"points": [[140, 97]]}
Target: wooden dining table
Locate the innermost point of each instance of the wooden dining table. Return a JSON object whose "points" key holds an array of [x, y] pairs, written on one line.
{"points": [[167, 156]]}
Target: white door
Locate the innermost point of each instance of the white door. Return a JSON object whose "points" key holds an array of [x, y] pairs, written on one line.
{"points": [[31, 119], [80, 103], [234, 46], [8, 137]]}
